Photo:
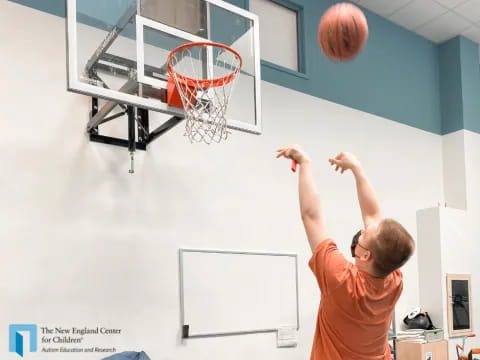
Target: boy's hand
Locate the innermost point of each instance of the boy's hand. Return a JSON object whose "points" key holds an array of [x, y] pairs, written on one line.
{"points": [[344, 161], [295, 153]]}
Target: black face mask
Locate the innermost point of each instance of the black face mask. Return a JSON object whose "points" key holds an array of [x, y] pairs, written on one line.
{"points": [[355, 239]]}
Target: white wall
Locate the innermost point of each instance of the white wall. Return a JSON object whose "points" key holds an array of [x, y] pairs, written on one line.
{"points": [[454, 171], [456, 231], [472, 158], [448, 243], [431, 258], [83, 243]]}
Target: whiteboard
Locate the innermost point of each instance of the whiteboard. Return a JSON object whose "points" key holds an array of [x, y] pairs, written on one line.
{"points": [[237, 292]]}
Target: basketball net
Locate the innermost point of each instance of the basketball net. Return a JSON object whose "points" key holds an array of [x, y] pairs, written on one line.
{"points": [[204, 75]]}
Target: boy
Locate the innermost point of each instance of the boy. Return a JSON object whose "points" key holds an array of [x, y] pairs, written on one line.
{"points": [[357, 300]]}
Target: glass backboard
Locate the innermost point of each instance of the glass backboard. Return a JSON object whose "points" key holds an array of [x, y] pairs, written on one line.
{"points": [[117, 50]]}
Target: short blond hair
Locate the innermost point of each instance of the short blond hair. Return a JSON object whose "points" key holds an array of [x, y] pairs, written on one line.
{"points": [[391, 248]]}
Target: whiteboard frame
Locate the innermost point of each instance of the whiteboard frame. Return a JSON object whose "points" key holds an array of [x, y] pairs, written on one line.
{"points": [[230, 252]]}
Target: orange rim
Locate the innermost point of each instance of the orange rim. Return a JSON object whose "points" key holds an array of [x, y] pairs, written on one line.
{"points": [[203, 83]]}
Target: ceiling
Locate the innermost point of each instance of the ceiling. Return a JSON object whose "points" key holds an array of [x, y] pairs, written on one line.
{"points": [[436, 20]]}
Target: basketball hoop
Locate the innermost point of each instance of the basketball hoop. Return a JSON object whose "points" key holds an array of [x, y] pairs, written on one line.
{"points": [[201, 79]]}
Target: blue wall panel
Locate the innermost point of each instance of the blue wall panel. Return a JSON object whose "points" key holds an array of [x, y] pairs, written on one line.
{"points": [[451, 86], [396, 76], [470, 84], [55, 7]]}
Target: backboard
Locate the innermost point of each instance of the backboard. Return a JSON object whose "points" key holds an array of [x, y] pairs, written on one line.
{"points": [[117, 50]]}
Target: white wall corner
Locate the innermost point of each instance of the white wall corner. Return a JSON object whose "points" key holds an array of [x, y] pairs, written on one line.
{"points": [[429, 254], [458, 257], [454, 170], [472, 170], [444, 237]]}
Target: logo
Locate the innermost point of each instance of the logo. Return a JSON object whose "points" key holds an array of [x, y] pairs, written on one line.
{"points": [[16, 343]]}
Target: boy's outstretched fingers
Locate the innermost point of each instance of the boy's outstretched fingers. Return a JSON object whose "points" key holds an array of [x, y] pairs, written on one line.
{"points": [[282, 152], [295, 153]]}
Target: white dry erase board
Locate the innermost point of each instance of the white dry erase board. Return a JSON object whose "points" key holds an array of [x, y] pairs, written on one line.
{"points": [[237, 292]]}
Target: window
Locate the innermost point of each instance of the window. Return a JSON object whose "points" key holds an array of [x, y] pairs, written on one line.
{"points": [[280, 32], [185, 15]]}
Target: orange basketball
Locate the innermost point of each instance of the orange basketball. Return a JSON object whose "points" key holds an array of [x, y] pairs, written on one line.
{"points": [[343, 32]]}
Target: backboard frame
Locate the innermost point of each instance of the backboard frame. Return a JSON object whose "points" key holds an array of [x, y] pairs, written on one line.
{"points": [[74, 83]]}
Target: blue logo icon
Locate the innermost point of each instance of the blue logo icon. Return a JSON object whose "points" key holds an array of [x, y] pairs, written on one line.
{"points": [[16, 343]]}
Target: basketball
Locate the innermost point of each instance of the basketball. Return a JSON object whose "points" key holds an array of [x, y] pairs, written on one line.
{"points": [[342, 32]]}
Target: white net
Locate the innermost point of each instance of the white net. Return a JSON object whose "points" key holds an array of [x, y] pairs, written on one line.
{"points": [[204, 74]]}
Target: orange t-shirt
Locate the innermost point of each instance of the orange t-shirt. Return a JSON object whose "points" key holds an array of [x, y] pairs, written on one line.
{"points": [[355, 310]]}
